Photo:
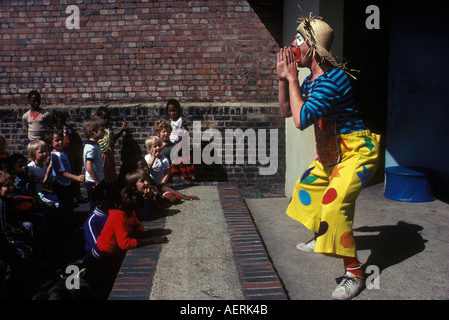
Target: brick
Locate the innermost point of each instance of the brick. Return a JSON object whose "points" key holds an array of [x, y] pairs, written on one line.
{"points": [[130, 55], [134, 28]]}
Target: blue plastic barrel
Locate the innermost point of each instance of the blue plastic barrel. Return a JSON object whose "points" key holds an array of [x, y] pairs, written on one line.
{"points": [[409, 184]]}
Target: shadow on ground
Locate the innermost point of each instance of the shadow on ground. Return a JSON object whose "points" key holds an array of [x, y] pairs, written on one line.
{"points": [[392, 245]]}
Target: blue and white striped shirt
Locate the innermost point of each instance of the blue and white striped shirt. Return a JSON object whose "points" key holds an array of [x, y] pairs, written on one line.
{"points": [[330, 96]]}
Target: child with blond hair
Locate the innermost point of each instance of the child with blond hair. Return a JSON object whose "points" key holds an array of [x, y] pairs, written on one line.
{"points": [[158, 164], [38, 153]]}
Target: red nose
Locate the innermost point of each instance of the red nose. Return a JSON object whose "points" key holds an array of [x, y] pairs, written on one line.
{"points": [[297, 53]]}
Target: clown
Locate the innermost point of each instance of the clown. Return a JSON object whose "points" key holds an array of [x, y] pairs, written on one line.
{"points": [[324, 197]]}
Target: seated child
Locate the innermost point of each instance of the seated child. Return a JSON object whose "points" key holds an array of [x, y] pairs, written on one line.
{"points": [[38, 169], [122, 231], [26, 213], [47, 201], [14, 250], [137, 182], [165, 196], [9, 236], [158, 164], [18, 168]]}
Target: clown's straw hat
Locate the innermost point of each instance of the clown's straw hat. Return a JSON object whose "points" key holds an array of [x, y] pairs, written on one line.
{"points": [[319, 36]]}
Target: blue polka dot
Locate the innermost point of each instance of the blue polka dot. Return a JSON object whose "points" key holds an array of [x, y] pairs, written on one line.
{"points": [[304, 197]]}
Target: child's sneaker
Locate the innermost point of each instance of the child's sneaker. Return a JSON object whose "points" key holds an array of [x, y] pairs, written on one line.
{"points": [[349, 287], [307, 246]]}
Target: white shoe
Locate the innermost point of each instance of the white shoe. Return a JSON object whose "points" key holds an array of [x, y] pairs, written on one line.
{"points": [[349, 287], [307, 246]]}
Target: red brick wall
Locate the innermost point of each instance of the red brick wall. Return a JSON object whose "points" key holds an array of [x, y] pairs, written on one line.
{"points": [[139, 51]]}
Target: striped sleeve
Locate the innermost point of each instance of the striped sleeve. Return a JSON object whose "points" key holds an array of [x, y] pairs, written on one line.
{"points": [[324, 97]]}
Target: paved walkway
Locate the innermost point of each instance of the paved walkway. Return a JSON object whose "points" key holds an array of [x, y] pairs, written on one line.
{"points": [[215, 253], [224, 247]]}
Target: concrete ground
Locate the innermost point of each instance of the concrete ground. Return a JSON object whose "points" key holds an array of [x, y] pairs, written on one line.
{"points": [[198, 262], [407, 242]]}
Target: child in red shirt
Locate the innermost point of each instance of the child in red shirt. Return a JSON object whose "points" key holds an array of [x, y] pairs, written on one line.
{"points": [[118, 231], [123, 230]]}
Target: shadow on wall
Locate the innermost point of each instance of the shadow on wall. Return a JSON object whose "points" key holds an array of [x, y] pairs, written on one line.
{"points": [[131, 152], [210, 172], [271, 15]]}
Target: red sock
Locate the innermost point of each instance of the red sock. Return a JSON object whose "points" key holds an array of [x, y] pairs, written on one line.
{"points": [[353, 266]]}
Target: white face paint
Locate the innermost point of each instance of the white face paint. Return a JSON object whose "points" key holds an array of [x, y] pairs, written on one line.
{"points": [[299, 40]]}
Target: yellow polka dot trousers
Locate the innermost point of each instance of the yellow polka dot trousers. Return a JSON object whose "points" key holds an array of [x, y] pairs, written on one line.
{"points": [[324, 197]]}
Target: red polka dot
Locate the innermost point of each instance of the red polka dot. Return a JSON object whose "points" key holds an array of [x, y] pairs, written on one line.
{"points": [[329, 196]]}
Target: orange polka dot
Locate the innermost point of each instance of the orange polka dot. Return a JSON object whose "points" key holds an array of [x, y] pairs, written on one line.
{"points": [[347, 240]]}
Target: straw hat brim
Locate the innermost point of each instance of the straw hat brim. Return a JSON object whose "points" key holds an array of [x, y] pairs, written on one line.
{"points": [[309, 32], [319, 36]]}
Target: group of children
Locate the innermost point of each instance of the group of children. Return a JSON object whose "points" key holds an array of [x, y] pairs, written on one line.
{"points": [[39, 194]]}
